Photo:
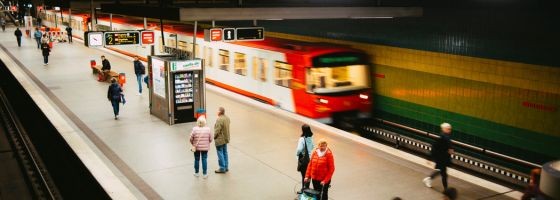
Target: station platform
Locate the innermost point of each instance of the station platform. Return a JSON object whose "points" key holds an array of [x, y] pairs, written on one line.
{"points": [[152, 159]]}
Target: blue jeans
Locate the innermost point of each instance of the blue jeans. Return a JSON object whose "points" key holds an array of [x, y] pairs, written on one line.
{"points": [[222, 157], [38, 42], [139, 80], [204, 155], [115, 107]]}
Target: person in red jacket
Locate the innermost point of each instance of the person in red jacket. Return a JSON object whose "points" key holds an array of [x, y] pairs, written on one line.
{"points": [[321, 169]]}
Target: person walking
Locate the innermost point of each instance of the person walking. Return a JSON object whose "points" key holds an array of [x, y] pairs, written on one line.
{"points": [[200, 139], [45, 38], [69, 32], [106, 67], [114, 94], [139, 70], [3, 24], [321, 169], [304, 148], [39, 20], [441, 155], [38, 35], [45, 50], [18, 35], [221, 138]]}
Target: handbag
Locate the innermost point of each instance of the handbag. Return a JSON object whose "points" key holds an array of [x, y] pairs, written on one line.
{"points": [[193, 148], [303, 158]]}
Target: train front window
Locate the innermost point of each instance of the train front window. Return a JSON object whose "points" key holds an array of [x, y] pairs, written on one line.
{"points": [[323, 80]]}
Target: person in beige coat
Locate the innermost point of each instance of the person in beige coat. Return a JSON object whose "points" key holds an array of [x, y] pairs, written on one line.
{"points": [[221, 138]]}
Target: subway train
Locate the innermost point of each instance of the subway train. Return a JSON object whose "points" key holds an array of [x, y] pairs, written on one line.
{"points": [[326, 82]]}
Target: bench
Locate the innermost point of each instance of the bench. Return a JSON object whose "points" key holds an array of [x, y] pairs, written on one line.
{"points": [[108, 76]]}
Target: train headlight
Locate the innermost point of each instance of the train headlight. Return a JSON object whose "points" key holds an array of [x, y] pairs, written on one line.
{"points": [[364, 96], [323, 101]]}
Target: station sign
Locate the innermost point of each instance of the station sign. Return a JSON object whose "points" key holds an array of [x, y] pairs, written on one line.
{"points": [[186, 65], [216, 34], [93, 39], [229, 34], [122, 38], [250, 33], [148, 37]]}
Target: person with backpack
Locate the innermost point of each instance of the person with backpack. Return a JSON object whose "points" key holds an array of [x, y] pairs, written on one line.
{"points": [[139, 70], [114, 95], [304, 148], [201, 137], [18, 35], [38, 35], [441, 155], [320, 169], [45, 50]]}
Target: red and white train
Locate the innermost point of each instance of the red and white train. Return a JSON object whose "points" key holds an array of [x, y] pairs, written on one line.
{"points": [[316, 80]]}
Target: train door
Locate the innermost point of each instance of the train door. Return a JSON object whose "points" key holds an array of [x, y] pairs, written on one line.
{"points": [[259, 73]]}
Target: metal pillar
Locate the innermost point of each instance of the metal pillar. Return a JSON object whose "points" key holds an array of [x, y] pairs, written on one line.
{"points": [[194, 40], [92, 16], [213, 23], [111, 21], [145, 24], [254, 22], [70, 17], [161, 28]]}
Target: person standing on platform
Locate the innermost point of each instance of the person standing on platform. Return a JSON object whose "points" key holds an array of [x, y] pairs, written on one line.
{"points": [[114, 94], [201, 137], [3, 24], [45, 50], [18, 35], [106, 67], [38, 35], [321, 169], [39, 21], [221, 130], [139, 70], [441, 155], [303, 151], [69, 32]]}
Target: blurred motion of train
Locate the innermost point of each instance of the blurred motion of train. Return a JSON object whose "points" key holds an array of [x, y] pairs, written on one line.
{"points": [[326, 82]]}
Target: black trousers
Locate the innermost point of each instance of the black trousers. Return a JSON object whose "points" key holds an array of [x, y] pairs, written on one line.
{"points": [[324, 190], [19, 41], [45, 59], [303, 183], [69, 38], [441, 169]]}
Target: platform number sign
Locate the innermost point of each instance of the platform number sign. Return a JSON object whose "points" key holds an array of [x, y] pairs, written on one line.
{"points": [[250, 33], [122, 38], [229, 34]]}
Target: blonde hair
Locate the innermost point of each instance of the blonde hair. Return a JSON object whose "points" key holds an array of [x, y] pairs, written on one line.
{"points": [[321, 142], [445, 125], [201, 121]]}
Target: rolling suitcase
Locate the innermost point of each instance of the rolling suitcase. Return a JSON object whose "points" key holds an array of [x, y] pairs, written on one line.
{"points": [[309, 194]]}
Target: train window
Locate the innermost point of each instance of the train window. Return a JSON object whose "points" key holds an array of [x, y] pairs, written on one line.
{"points": [[224, 59], [208, 57], [259, 69], [337, 79], [283, 74], [197, 52], [240, 65], [182, 45]]}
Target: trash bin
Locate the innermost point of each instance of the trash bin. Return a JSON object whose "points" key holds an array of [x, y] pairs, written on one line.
{"points": [[122, 79], [200, 112]]}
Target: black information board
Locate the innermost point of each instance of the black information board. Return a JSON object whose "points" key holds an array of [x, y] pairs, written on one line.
{"points": [[122, 38], [250, 33]]}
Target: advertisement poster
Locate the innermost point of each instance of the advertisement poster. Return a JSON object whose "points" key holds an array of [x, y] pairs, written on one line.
{"points": [[158, 72]]}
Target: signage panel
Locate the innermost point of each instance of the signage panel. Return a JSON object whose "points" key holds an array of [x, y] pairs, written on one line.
{"points": [[186, 65], [216, 34], [158, 72], [122, 38], [147, 37], [250, 33], [229, 34]]}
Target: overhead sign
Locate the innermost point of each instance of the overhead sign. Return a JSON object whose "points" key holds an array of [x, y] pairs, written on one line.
{"points": [[216, 34], [94, 39], [186, 65], [250, 33], [147, 37], [122, 38], [229, 34]]}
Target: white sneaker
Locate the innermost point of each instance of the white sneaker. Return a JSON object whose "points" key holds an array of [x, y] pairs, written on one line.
{"points": [[205, 176], [427, 181], [139, 94], [195, 174]]}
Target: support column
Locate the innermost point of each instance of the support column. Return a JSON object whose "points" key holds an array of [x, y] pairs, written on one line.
{"points": [[111, 21], [194, 40], [92, 16]]}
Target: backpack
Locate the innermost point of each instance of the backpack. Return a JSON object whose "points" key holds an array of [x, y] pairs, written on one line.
{"points": [[303, 158], [115, 92]]}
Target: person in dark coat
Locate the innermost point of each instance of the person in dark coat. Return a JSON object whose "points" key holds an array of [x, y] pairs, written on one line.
{"points": [[69, 32], [106, 67], [46, 50], [139, 70], [18, 35], [304, 150], [441, 155], [114, 95]]}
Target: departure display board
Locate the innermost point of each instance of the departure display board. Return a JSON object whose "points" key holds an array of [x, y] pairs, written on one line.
{"points": [[250, 33], [122, 38]]}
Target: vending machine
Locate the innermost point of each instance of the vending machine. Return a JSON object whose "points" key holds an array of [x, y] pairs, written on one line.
{"points": [[176, 88]]}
